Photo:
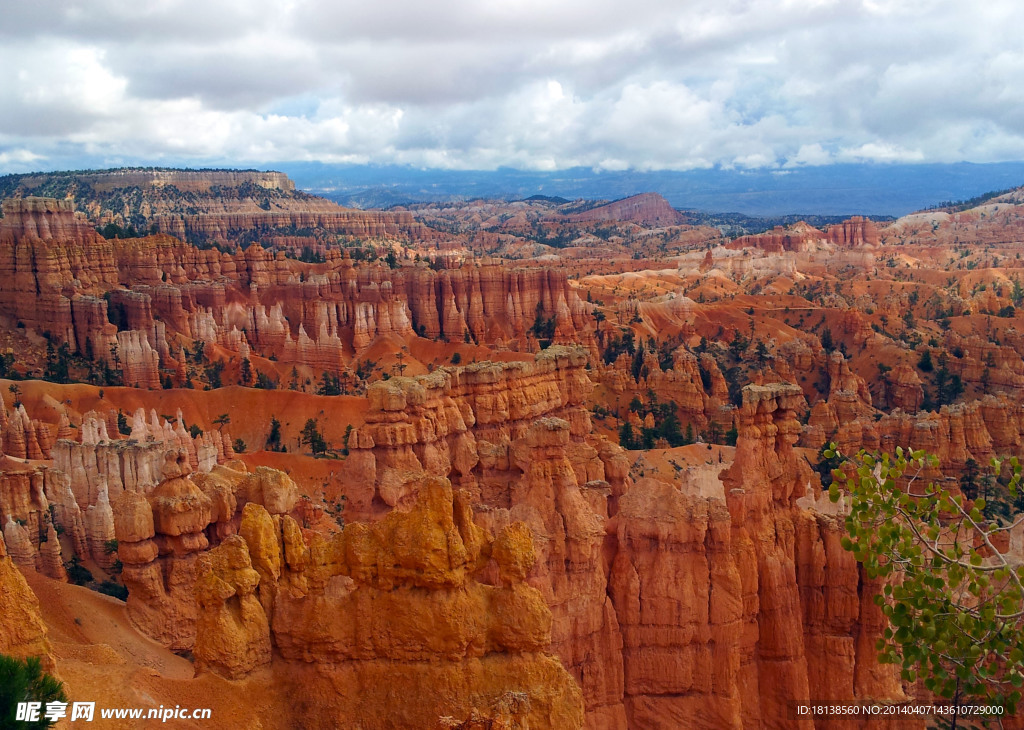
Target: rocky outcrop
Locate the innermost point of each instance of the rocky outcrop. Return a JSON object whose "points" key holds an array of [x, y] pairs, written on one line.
{"points": [[569, 516], [734, 598], [122, 301], [36, 502], [164, 533], [693, 384], [230, 226], [232, 632], [856, 231], [185, 181], [841, 621], [216, 205], [903, 389], [761, 489], [798, 238], [22, 631], [44, 219], [132, 464], [460, 423], [801, 237], [725, 594], [493, 304], [517, 438], [678, 596], [404, 602], [977, 430], [647, 209], [23, 437], [47, 254]]}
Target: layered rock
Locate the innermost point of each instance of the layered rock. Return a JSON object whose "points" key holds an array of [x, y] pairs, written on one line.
{"points": [[694, 384], [841, 621], [677, 591], [459, 423], [904, 390], [47, 254], [23, 437], [761, 492], [218, 205], [570, 515], [977, 430], [164, 532], [132, 464], [186, 181], [44, 219], [517, 438], [22, 631], [120, 301], [229, 226], [34, 503], [648, 209], [856, 231], [232, 632], [405, 605], [799, 237]]}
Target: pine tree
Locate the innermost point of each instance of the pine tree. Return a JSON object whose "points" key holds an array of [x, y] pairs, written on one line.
{"points": [[23, 680]]}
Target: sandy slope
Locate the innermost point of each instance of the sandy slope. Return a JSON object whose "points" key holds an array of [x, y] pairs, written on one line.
{"points": [[102, 658]]}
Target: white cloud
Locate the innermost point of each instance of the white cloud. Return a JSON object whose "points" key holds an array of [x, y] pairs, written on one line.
{"points": [[470, 83], [876, 152], [810, 154]]}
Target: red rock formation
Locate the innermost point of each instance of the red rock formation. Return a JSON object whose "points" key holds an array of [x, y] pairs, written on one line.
{"points": [[44, 219], [799, 237], [187, 181], [252, 301], [229, 226], [232, 631], [648, 209], [22, 631], [405, 595], [976, 430], [678, 596], [904, 390], [133, 464], [46, 254], [221, 205], [517, 438], [434, 423], [761, 489], [26, 498], [856, 231], [683, 385]]}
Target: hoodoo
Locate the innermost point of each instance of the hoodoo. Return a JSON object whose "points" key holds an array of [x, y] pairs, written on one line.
{"points": [[542, 463]]}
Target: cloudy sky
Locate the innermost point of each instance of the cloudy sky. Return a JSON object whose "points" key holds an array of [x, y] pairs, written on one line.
{"points": [[537, 84]]}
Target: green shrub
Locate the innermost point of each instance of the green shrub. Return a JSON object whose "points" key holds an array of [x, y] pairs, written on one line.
{"points": [[23, 680], [77, 573], [110, 588]]}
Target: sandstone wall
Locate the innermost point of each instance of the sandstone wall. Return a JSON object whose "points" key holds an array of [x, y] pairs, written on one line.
{"points": [[407, 614], [129, 298], [22, 631]]}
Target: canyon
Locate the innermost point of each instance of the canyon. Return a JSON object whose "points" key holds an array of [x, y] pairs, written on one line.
{"points": [[530, 464]]}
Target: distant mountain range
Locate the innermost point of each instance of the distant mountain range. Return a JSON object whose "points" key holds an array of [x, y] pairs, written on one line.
{"points": [[833, 190], [829, 191]]}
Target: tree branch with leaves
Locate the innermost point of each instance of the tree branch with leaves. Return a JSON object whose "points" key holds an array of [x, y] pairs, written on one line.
{"points": [[953, 592]]}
